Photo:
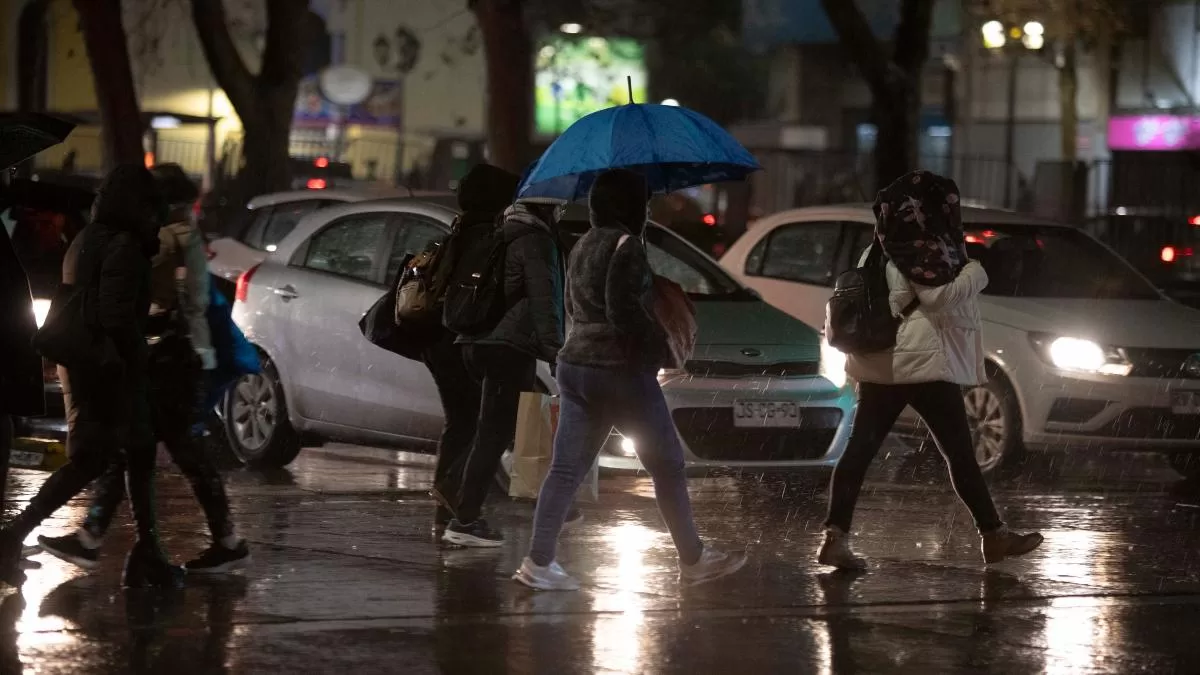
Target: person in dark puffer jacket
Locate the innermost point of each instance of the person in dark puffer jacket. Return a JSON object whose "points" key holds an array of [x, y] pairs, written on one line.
{"points": [[112, 401], [504, 361], [607, 376]]}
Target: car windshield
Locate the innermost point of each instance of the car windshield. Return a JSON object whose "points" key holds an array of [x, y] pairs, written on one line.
{"points": [[1031, 261], [672, 257]]}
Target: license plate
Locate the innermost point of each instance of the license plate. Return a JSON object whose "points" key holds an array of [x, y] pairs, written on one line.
{"points": [[1185, 402], [772, 414]]}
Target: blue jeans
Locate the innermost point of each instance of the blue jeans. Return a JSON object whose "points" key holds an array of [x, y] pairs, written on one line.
{"points": [[594, 400]]}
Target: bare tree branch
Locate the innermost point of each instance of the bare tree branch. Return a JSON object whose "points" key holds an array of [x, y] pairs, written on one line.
{"points": [[860, 43], [226, 64]]}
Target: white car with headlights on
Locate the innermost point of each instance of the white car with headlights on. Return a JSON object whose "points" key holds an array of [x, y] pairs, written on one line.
{"points": [[1082, 351]]}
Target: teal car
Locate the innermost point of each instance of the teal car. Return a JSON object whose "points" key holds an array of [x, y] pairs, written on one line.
{"points": [[761, 390]]}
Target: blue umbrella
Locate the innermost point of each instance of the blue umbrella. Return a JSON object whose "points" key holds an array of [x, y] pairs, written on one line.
{"points": [[673, 147]]}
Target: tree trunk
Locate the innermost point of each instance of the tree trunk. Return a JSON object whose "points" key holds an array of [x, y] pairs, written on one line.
{"points": [[1068, 91], [264, 102], [120, 117], [508, 51], [896, 119], [267, 133]]}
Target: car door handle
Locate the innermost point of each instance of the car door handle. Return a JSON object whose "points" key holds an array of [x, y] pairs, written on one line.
{"points": [[287, 292]]}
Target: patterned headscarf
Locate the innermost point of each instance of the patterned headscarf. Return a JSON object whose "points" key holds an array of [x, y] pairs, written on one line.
{"points": [[918, 220]]}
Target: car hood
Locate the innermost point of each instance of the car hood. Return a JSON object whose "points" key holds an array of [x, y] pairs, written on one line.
{"points": [[727, 327], [1119, 323]]}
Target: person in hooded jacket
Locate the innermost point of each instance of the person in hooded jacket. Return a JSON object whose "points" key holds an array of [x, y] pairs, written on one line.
{"points": [[608, 376], [483, 194], [21, 385], [938, 351], [180, 358], [504, 361], [111, 400]]}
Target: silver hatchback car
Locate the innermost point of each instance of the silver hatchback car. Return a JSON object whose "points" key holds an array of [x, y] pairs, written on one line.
{"points": [[760, 392]]}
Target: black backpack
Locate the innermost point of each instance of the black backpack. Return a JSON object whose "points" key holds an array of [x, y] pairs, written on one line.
{"points": [[858, 318], [474, 295]]}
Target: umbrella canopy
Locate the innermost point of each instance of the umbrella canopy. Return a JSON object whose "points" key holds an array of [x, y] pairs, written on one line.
{"points": [[672, 147], [23, 135]]}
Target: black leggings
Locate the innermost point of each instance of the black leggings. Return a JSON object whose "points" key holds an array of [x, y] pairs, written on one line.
{"points": [[173, 404], [940, 404]]}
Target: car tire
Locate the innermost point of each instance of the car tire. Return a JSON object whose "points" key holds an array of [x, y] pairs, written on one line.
{"points": [[256, 421], [1186, 464], [995, 421]]}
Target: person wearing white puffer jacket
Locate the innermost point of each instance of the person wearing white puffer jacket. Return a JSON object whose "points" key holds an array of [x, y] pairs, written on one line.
{"points": [[938, 352]]}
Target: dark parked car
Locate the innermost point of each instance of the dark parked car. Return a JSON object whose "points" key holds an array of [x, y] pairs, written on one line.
{"points": [[1163, 247]]}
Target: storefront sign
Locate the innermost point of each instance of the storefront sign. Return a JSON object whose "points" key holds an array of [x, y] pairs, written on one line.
{"points": [[1154, 132]]}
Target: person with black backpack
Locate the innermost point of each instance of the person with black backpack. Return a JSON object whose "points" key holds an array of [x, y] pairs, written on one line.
{"points": [[483, 194], [908, 319], [505, 302]]}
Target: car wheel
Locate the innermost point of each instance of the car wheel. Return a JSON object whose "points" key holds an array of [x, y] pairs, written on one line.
{"points": [[1187, 464], [995, 423], [256, 420]]}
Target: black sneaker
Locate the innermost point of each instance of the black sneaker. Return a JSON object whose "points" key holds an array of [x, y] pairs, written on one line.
{"points": [[474, 535], [217, 559], [70, 549]]}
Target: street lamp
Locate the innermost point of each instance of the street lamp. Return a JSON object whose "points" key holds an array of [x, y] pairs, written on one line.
{"points": [[1030, 36], [571, 28]]}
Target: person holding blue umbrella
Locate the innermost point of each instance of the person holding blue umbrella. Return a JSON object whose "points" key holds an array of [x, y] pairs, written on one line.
{"points": [[607, 376]]}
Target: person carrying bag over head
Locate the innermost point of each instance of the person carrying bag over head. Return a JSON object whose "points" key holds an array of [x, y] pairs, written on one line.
{"points": [[916, 341]]}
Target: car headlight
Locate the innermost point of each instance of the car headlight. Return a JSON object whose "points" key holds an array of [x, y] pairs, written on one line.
{"points": [[833, 364], [668, 373], [628, 447], [1080, 355], [41, 307]]}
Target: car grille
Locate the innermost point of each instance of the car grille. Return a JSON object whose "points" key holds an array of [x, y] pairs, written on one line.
{"points": [[1160, 362], [1153, 423], [711, 435], [732, 369]]}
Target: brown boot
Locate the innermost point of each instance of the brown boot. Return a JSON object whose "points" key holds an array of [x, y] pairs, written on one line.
{"points": [[1001, 543]]}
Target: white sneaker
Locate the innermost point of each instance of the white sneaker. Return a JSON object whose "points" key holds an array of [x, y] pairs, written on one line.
{"points": [[836, 551], [552, 577], [713, 564]]}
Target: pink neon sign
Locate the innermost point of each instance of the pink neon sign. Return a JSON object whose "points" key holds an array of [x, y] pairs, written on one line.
{"points": [[1154, 132]]}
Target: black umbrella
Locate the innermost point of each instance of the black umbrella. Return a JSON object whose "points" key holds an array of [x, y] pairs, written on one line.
{"points": [[23, 135]]}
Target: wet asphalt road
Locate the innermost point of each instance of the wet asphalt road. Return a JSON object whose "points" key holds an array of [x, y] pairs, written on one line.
{"points": [[347, 579]]}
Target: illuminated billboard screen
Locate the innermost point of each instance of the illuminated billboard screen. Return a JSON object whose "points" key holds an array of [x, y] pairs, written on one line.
{"points": [[580, 75]]}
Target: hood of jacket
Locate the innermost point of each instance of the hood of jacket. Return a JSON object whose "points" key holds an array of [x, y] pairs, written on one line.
{"points": [[618, 199], [129, 200], [526, 215], [487, 189]]}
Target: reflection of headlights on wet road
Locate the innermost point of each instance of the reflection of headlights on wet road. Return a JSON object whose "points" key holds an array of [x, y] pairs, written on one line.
{"points": [[41, 308], [1080, 355], [833, 364]]}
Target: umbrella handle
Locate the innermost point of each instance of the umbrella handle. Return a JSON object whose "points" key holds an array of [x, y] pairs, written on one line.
{"points": [[629, 85]]}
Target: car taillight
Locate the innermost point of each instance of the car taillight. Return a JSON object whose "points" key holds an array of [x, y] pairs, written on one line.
{"points": [[1168, 254], [316, 184], [243, 284]]}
